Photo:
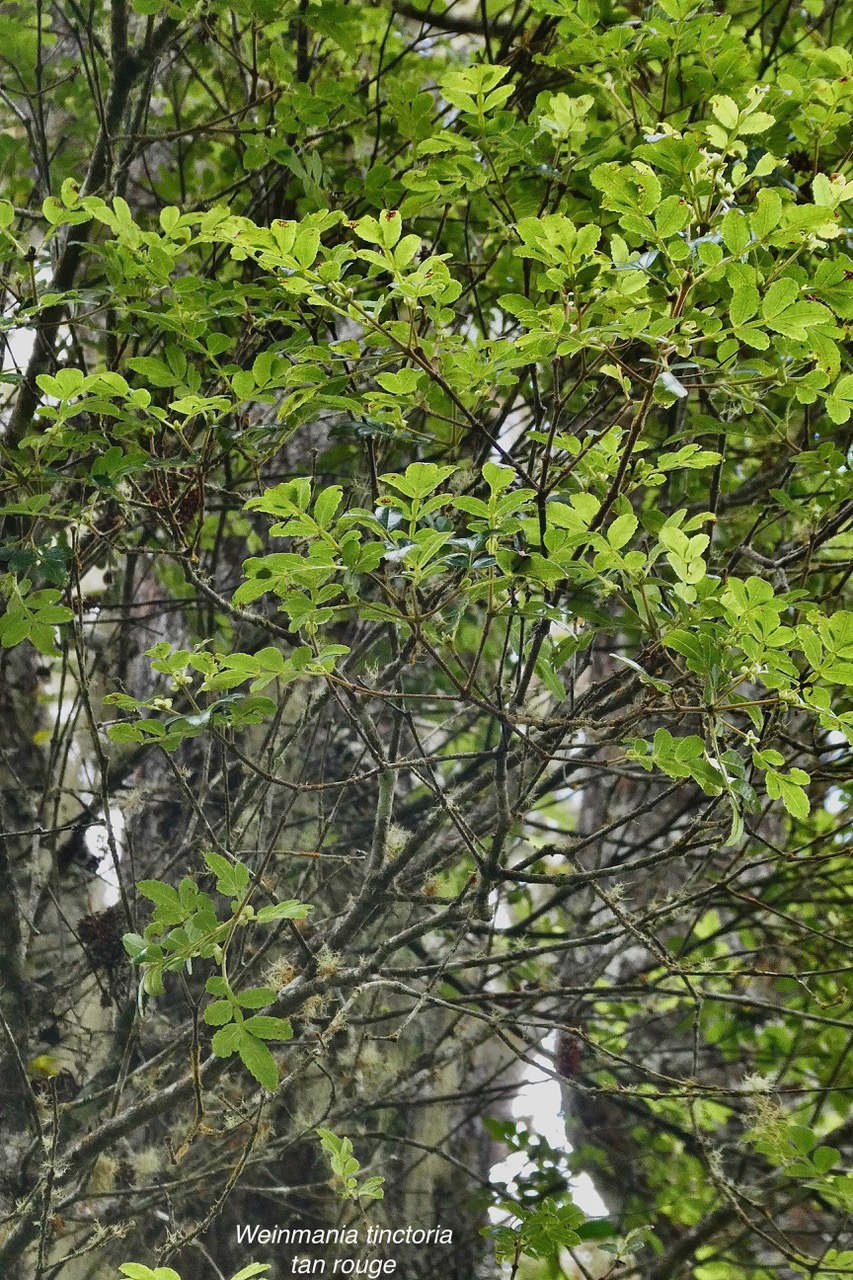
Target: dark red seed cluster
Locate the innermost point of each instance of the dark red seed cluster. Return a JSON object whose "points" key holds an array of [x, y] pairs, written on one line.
{"points": [[568, 1056], [100, 934]]}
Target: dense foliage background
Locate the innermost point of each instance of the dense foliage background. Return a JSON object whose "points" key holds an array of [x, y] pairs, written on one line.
{"points": [[426, 567]]}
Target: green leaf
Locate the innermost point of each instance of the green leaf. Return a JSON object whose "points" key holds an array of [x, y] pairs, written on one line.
{"points": [[726, 111], [306, 246], [258, 1060], [153, 371], [226, 1040], [403, 383], [268, 1028], [135, 1271], [689, 646], [672, 215], [420, 479], [839, 405], [232, 878], [372, 1188], [218, 1013], [326, 505], [290, 910], [622, 530], [768, 213], [736, 235], [256, 998], [825, 1158], [778, 298], [789, 788], [744, 305], [157, 891], [243, 384]]}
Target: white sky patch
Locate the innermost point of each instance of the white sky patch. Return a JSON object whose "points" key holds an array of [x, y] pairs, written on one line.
{"points": [[97, 842], [17, 348], [835, 801], [538, 1103], [19, 342]]}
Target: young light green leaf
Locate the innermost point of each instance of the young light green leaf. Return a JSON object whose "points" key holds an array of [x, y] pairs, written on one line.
{"points": [[290, 910]]}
